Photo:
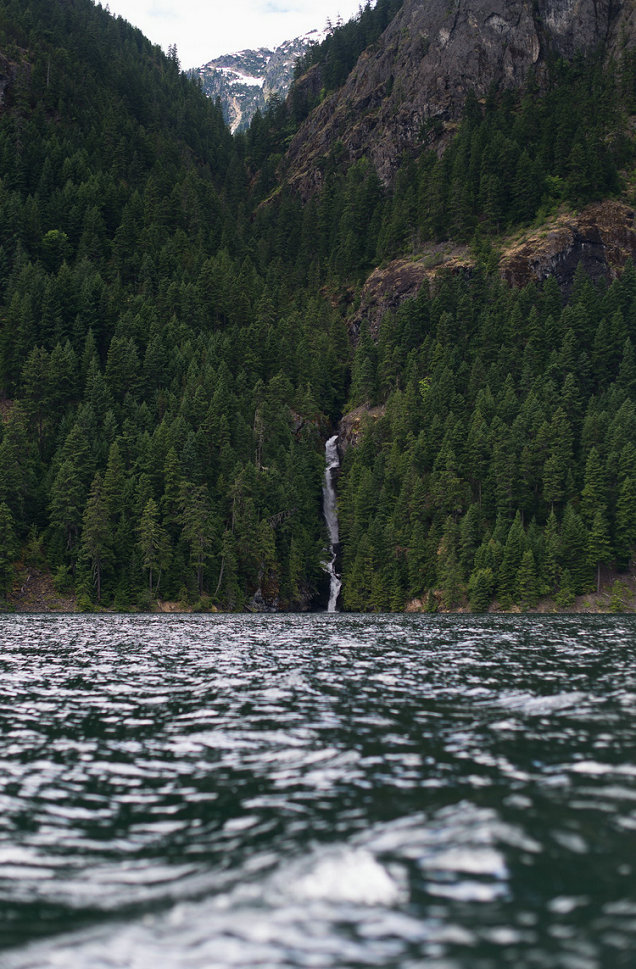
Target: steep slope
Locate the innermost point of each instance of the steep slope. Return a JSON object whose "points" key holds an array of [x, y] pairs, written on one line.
{"points": [[246, 81], [488, 445], [409, 91], [173, 319], [161, 401]]}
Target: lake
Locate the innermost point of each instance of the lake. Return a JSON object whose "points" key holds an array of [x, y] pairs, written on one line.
{"points": [[204, 792]]}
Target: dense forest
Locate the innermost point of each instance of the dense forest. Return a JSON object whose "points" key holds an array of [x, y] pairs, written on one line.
{"points": [[175, 347], [505, 463]]}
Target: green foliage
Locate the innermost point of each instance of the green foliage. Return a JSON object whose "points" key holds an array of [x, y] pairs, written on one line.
{"points": [[496, 471], [513, 160], [174, 347], [166, 387], [338, 53], [8, 548], [480, 589], [96, 533]]}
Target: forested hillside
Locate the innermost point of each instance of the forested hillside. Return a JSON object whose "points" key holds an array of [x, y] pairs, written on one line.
{"points": [[180, 332], [162, 398]]}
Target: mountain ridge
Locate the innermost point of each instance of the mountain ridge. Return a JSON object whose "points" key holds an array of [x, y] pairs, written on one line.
{"points": [[247, 80], [177, 325], [409, 91]]}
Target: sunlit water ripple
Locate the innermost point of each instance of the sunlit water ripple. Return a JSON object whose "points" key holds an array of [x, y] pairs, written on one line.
{"points": [[317, 791]]}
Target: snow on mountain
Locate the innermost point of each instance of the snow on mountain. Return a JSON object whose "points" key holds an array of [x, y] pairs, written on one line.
{"points": [[245, 81]]}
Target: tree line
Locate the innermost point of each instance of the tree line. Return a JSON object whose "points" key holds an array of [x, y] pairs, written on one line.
{"points": [[504, 466], [174, 342]]}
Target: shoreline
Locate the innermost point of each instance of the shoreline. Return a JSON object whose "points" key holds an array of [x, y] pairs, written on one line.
{"points": [[37, 596]]}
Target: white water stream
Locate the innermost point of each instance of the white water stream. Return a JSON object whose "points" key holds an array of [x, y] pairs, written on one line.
{"points": [[332, 462]]}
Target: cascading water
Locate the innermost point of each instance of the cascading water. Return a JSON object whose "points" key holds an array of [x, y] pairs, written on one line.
{"points": [[332, 462]]}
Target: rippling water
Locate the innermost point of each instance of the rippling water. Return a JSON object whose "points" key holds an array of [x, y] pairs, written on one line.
{"points": [[324, 791]]}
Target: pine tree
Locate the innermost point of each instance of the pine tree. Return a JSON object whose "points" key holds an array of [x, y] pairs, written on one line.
{"points": [[594, 493], [574, 557], [448, 567], [560, 459], [36, 395], [8, 548], [626, 521], [526, 580], [512, 557], [96, 544], [17, 465], [480, 589], [566, 594], [599, 548], [67, 503], [198, 526], [153, 544], [552, 549]]}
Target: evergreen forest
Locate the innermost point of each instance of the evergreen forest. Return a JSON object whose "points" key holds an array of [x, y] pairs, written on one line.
{"points": [[176, 339]]}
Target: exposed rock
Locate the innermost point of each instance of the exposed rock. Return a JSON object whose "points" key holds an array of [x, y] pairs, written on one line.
{"points": [[6, 406], [246, 81], [389, 286], [622, 33], [260, 603], [8, 71], [409, 90], [174, 606], [33, 591], [602, 237], [352, 425]]}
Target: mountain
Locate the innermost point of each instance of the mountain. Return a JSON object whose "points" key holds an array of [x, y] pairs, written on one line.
{"points": [[246, 81], [160, 427], [408, 91], [425, 247]]}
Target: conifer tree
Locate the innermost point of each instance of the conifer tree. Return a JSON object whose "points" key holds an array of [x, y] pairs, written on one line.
{"points": [[197, 524], [599, 548], [153, 544], [526, 580], [574, 547], [625, 542], [8, 547], [512, 557], [480, 589], [96, 533], [67, 503]]}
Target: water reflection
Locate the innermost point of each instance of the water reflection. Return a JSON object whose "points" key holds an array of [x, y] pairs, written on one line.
{"points": [[327, 791]]}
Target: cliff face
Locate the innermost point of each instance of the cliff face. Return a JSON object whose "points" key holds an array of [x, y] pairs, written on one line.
{"points": [[602, 237], [410, 90], [8, 71], [247, 80]]}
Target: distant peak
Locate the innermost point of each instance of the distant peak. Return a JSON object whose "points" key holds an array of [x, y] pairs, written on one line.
{"points": [[245, 80]]}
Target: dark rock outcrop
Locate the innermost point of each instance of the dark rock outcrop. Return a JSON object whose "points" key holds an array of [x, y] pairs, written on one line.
{"points": [[353, 424], [8, 71], [389, 286], [409, 90], [602, 238]]}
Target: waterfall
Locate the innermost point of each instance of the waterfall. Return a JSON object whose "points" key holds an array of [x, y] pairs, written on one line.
{"points": [[332, 461]]}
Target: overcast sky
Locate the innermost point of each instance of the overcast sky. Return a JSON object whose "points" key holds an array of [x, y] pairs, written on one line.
{"points": [[204, 29]]}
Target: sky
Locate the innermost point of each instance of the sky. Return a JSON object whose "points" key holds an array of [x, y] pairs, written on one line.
{"points": [[205, 29]]}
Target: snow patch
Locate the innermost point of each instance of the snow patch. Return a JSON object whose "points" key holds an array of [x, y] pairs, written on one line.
{"points": [[237, 78]]}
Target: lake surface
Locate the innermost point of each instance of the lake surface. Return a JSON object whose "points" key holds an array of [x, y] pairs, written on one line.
{"points": [[419, 792]]}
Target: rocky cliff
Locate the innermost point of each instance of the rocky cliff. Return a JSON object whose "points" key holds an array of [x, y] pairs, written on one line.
{"points": [[409, 90], [245, 81], [8, 71], [602, 237]]}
